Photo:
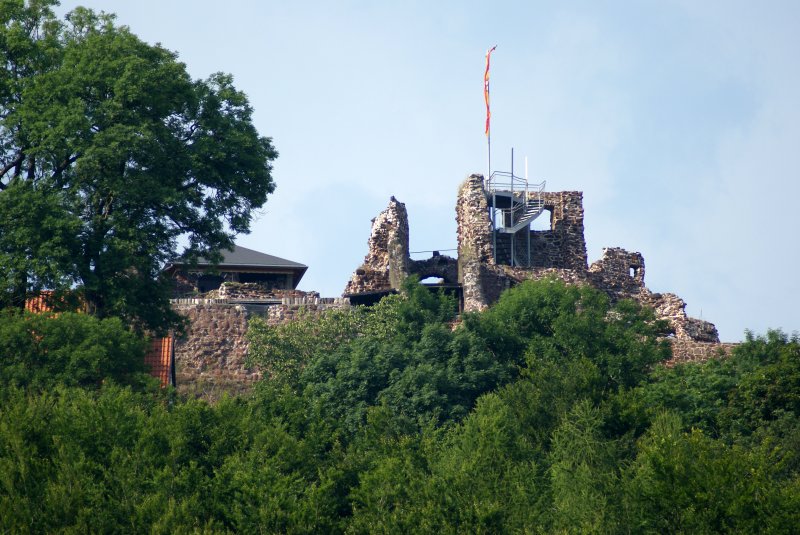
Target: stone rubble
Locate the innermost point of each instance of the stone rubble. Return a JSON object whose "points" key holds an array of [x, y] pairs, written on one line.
{"points": [[254, 291]]}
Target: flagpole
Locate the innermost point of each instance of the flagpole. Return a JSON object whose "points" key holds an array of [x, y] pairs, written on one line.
{"points": [[488, 113], [489, 149]]}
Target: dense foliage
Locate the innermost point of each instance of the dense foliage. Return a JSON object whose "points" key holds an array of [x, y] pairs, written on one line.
{"points": [[546, 413], [40, 351], [109, 154]]}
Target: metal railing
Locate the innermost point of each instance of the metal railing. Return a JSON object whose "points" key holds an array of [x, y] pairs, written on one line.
{"points": [[526, 200], [505, 181], [525, 203], [532, 207]]}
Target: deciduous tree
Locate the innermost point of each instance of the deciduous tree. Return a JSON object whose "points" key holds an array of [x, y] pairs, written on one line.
{"points": [[119, 154]]}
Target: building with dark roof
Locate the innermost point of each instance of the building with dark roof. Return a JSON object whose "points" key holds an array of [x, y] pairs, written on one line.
{"points": [[239, 265]]}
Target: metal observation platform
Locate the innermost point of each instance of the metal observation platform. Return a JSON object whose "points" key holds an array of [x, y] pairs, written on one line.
{"points": [[513, 204]]}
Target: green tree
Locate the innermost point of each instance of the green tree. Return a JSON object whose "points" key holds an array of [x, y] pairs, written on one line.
{"points": [[582, 473], [38, 351], [402, 353], [688, 482], [753, 393], [119, 154]]}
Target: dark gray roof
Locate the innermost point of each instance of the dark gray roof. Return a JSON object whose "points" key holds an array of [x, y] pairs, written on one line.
{"points": [[242, 256]]}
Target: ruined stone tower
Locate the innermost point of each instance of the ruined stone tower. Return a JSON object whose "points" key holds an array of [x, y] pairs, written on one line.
{"points": [[497, 249], [388, 261]]}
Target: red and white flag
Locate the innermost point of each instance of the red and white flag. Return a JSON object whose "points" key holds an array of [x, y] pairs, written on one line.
{"points": [[486, 88]]}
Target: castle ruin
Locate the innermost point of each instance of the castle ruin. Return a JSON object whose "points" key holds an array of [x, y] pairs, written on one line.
{"points": [[497, 249]]}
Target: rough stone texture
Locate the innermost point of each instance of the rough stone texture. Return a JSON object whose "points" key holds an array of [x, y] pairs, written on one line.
{"points": [[210, 357], [563, 246], [619, 272], [474, 227], [292, 309], [254, 291], [440, 266], [294, 294], [481, 282], [693, 351], [570, 276], [672, 308], [561, 253], [387, 260]]}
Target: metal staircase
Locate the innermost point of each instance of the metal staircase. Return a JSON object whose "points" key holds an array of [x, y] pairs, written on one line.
{"points": [[514, 204], [524, 214]]}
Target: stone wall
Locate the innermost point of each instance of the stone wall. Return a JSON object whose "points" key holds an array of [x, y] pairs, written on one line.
{"points": [[253, 291], [618, 272], [210, 357], [440, 266], [474, 227], [563, 246], [686, 350], [386, 264], [292, 309], [388, 261], [671, 308], [559, 253], [480, 281]]}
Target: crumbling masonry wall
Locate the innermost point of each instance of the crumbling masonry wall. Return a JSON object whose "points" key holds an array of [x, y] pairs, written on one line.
{"points": [[685, 350], [559, 252], [481, 281], [255, 291], [210, 357], [563, 246], [388, 261]]}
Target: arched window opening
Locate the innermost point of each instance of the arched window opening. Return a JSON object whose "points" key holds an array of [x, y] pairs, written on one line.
{"points": [[544, 221]]}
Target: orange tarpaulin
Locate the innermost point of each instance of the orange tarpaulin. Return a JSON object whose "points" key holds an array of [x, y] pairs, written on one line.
{"points": [[159, 359], [40, 303]]}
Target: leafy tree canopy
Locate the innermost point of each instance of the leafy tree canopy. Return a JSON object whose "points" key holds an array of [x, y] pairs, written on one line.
{"points": [[109, 154], [405, 354], [39, 351], [548, 413]]}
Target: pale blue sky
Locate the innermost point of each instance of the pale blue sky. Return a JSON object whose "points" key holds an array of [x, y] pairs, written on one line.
{"points": [[678, 119]]}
